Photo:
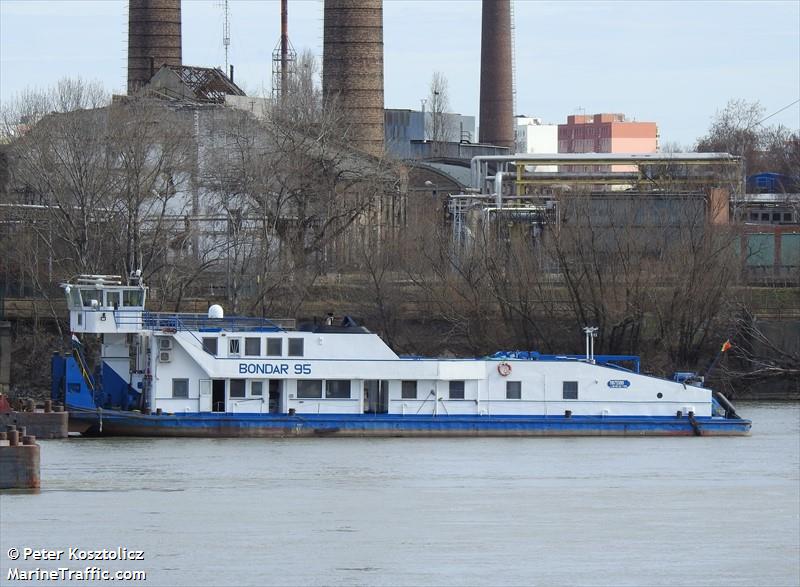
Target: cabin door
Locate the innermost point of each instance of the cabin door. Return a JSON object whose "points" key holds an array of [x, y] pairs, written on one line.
{"points": [[376, 396], [218, 395], [275, 396], [205, 396]]}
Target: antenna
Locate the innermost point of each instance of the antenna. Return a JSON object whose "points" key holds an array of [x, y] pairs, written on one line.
{"points": [[226, 30]]}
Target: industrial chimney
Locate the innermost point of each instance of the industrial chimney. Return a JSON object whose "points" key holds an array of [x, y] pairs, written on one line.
{"points": [[352, 68], [154, 39], [497, 100]]}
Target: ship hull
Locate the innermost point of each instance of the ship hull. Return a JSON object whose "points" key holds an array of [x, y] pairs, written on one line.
{"points": [[221, 425]]}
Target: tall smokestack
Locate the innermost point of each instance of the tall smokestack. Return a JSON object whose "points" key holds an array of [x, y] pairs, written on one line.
{"points": [[352, 68], [497, 100], [154, 36]]}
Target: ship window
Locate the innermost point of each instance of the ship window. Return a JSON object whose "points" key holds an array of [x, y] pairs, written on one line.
{"points": [[337, 389], [132, 297], [234, 347], [210, 344], [257, 388], [787, 216], [295, 347], [90, 295], [252, 346], [74, 297], [409, 390], [113, 299], [237, 387], [180, 388], [309, 388], [80, 318], [570, 390], [456, 390], [513, 389], [274, 347]]}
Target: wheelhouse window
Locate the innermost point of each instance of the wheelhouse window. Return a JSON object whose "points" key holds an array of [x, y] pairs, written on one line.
{"points": [[74, 297], [252, 346], [513, 389], [456, 390], [92, 295], [295, 347], [257, 388], [409, 390], [309, 388], [237, 387], [180, 388], [234, 347], [274, 347], [132, 297], [113, 299], [337, 389], [570, 390], [210, 345]]}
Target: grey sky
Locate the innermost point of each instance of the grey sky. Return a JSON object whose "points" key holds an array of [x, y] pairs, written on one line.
{"points": [[675, 63]]}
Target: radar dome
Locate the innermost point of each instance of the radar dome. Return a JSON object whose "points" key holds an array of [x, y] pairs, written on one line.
{"points": [[216, 312]]}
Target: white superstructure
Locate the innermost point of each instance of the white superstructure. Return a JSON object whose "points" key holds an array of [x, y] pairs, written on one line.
{"points": [[189, 363]]}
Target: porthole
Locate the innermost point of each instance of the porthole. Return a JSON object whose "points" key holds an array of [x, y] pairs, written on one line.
{"points": [[659, 395]]}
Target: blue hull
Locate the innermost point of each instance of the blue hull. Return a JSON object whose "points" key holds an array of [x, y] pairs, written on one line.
{"points": [[119, 423]]}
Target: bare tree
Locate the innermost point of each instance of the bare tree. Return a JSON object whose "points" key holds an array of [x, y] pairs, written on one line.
{"points": [[438, 124], [738, 129]]}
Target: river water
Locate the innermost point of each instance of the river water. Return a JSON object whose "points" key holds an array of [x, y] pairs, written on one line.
{"points": [[339, 511]]}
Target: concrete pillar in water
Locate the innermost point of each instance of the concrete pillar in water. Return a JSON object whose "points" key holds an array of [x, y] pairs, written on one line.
{"points": [[19, 462]]}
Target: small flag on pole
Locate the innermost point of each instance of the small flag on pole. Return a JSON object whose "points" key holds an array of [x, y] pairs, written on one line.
{"points": [[726, 345]]}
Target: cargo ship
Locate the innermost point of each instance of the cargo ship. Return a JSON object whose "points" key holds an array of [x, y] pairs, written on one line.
{"points": [[211, 375]]}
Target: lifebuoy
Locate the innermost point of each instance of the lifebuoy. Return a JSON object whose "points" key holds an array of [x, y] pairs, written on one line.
{"points": [[504, 369]]}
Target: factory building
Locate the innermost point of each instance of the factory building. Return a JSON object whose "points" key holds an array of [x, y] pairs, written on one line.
{"points": [[606, 133], [408, 136], [531, 135]]}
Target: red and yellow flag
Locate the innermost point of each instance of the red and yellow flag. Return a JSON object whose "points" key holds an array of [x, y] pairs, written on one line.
{"points": [[726, 345]]}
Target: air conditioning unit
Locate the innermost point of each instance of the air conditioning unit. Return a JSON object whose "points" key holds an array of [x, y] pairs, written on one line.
{"points": [[164, 357], [165, 344]]}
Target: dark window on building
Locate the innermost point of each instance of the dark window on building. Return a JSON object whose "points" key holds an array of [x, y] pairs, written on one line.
{"points": [[570, 390], [765, 216], [237, 387], [210, 345], [456, 390], [257, 388], [776, 216], [252, 347], [180, 388], [337, 389], [295, 347], [513, 390], [753, 215], [409, 390], [787, 216], [309, 388], [274, 347]]}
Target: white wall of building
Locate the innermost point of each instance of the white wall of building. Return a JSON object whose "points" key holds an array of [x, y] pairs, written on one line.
{"points": [[533, 136]]}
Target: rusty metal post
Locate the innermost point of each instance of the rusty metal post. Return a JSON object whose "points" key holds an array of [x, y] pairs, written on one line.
{"points": [[284, 46]]}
